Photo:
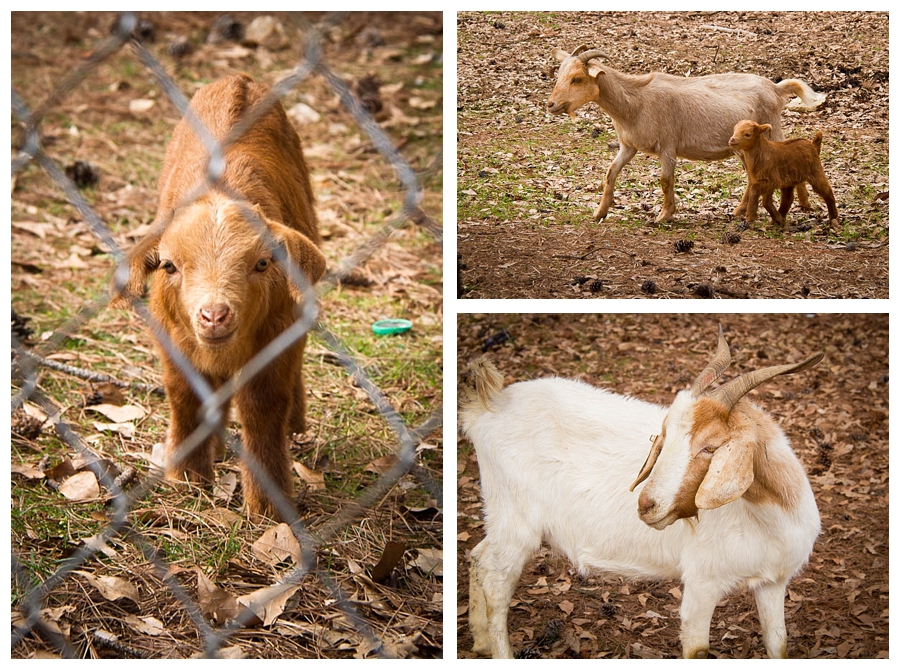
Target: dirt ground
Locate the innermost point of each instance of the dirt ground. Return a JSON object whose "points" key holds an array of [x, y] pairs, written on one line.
{"points": [[106, 127], [528, 181], [836, 416]]}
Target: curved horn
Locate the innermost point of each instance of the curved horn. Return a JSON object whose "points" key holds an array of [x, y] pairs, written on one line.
{"points": [[714, 370], [579, 49], [585, 56], [655, 450], [730, 393]]}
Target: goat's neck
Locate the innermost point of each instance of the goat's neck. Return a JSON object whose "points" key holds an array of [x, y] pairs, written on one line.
{"points": [[758, 155], [619, 93]]}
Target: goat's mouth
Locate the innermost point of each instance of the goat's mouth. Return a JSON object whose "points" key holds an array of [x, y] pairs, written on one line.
{"points": [[561, 108], [215, 340], [663, 522]]}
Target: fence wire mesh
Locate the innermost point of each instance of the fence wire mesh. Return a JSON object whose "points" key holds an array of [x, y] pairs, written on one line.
{"points": [[40, 603]]}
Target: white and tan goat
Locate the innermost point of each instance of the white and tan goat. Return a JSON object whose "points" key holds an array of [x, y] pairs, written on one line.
{"points": [[671, 117], [557, 459]]}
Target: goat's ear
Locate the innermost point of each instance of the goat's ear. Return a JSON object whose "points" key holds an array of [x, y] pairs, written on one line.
{"points": [[130, 278], [302, 251], [729, 476], [560, 55], [595, 70], [763, 128]]}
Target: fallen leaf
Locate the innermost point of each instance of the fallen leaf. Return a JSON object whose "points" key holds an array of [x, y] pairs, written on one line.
{"points": [[430, 561], [269, 603], [112, 588], [27, 471], [276, 545], [315, 480], [381, 465], [81, 486], [119, 414], [126, 430], [390, 557], [147, 625], [216, 603]]}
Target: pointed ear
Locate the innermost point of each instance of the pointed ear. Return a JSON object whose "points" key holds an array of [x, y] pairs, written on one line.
{"points": [[302, 251], [763, 128], [130, 278], [560, 55], [730, 474], [595, 70]]}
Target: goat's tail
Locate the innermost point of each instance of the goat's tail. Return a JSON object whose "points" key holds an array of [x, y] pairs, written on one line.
{"points": [[802, 90], [817, 142], [483, 383]]}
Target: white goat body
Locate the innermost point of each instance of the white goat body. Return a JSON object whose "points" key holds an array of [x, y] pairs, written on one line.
{"points": [[556, 458], [672, 117]]}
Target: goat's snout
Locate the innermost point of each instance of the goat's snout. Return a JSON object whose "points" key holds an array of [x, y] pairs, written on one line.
{"points": [[215, 322]]}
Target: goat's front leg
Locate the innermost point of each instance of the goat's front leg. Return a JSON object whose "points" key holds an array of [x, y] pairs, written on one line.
{"points": [[787, 197], [264, 404], [622, 158], [667, 181], [741, 209], [478, 616], [185, 459], [697, 606], [752, 195], [770, 603]]}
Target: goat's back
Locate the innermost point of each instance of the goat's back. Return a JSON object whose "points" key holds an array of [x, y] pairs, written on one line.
{"points": [[560, 454], [264, 164]]}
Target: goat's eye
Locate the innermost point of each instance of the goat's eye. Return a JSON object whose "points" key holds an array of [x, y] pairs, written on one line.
{"points": [[169, 267], [577, 80], [262, 264], [709, 450]]}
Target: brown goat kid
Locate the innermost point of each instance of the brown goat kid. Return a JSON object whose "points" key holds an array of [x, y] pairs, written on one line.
{"points": [[779, 165], [220, 290]]}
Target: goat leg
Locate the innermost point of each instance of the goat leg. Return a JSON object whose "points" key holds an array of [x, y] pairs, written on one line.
{"points": [[770, 604], [622, 158], [667, 181]]}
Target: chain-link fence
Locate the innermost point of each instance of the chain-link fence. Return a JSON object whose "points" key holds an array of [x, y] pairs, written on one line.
{"points": [[121, 486]]}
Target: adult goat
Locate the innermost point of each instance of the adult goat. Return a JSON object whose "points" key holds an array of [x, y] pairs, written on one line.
{"points": [[556, 458], [671, 117]]}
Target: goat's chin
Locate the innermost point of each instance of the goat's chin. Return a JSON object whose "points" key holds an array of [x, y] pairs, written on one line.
{"points": [[662, 523]]}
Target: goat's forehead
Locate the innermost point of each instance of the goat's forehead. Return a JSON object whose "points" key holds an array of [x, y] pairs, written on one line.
{"points": [[220, 227], [572, 66]]}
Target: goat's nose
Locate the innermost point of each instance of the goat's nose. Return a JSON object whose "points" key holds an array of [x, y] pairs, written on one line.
{"points": [[645, 505], [215, 316], [550, 104]]}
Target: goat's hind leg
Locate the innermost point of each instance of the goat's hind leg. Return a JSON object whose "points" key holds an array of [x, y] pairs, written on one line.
{"points": [[667, 181], [770, 603], [493, 576]]}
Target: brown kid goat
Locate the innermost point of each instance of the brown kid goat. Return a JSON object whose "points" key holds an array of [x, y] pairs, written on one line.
{"points": [[221, 290], [779, 165]]}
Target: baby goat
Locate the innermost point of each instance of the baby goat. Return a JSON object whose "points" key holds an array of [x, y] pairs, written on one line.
{"points": [[556, 459], [779, 165]]}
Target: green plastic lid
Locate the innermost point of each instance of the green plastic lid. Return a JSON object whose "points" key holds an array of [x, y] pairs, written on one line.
{"points": [[391, 326]]}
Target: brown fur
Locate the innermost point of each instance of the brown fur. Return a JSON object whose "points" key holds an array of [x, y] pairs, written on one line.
{"points": [[219, 291], [779, 165], [745, 428]]}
